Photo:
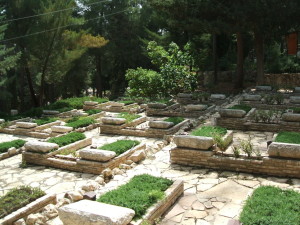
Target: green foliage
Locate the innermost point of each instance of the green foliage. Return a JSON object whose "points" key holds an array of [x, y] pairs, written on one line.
{"points": [[236, 151], [288, 137], [247, 147], [138, 194], [17, 198], [93, 111], [296, 110], [209, 131], [44, 120], [246, 108], [4, 146], [121, 146], [221, 143], [144, 83], [266, 116], [80, 122], [67, 139], [175, 120], [270, 205], [128, 116]]}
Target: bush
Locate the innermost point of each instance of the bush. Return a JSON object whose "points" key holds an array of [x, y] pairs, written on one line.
{"points": [[120, 146], [67, 139], [4, 146], [81, 122], [175, 120], [139, 194], [128, 116], [44, 120], [93, 111], [246, 108], [209, 131], [272, 206], [17, 198], [288, 137]]}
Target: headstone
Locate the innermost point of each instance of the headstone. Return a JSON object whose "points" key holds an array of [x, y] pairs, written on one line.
{"points": [[61, 129], [232, 113], [190, 108], [217, 97], [25, 125], [297, 89], [291, 117], [138, 156], [41, 147], [113, 121], [195, 142], [263, 88], [184, 95], [247, 97], [97, 155], [295, 99], [90, 103], [50, 112], [160, 124], [14, 112], [157, 105], [284, 150]]}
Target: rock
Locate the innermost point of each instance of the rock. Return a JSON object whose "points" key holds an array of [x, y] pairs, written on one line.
{"points": [[291, 117], [12, 151], [42, 147], [90, 103], [113, 121], [20, 222], [14, 112], [117, 104], [157, 105], [124, 166], [138, 156], [91, 195], [184, 95], [26, 125], [32, 219], [61, 129], [117, 171], [232, 113], [160, 124], [128, 162], [263, 88], [50, 112], [295, 99], [94, 213], [196, 107], [217, 97], [2, 121], [143, 106], [97, 155], [284, 150], [247, 97], [100, 180], [107, 174], [74, 196], [63, 201], [297, 89], [90, 186], [195, 142], [50, 211]]}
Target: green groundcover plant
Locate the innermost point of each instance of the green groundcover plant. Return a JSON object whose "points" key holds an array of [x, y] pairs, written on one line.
{"points": [[17, 198], [67, 139], [4, 146], [93, 111], [128, 116], [272, 206], [139, 194], [209, 131], [80, 122], [288, 137], [44, 120], [246, 108], [175, 120], [120, 146]]}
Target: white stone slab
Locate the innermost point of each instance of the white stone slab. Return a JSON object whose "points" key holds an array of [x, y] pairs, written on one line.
{"points": [[196, 142], [232, 113], [61, 129], [285, 150], [113, 121], [26, 125], [217, 97], [38, 146], [160, 124], [97, 155]]}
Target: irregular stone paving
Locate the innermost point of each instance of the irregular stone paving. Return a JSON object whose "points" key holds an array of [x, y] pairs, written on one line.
{"points": [[210, 197]]}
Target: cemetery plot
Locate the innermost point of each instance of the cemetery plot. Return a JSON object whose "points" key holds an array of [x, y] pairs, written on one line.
{"points": [[121, 106], [202, 98]]}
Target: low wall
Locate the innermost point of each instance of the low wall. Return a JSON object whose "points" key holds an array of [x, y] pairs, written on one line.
{"points": [[283, 80], [208, 159]]}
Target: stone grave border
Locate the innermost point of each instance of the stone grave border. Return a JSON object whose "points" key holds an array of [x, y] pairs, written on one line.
{"points": [[30, 208], [7, 155], [53, 159], [130, 129]]}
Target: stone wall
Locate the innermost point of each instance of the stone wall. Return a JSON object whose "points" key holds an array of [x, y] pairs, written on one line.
{"points": [[208, 159], [283, 80]]}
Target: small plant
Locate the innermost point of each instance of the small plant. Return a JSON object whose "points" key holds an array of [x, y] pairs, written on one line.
{"points": [[128, 116], [67, 139], [269, 99], [236, 151], [246, 108], [209, 131], [279, 98], [175, 120], [221, 143], [81, 122], [120, 146], [7, 145], [93, 111], [247, 147], [288, 137], [23, 164], [44, 120], [257, 152]]}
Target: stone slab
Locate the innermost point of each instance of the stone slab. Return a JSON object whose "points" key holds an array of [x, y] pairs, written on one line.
{"points": [[26, 125], [113, 121], [61, 129], [285, 150], [295, 99], [157, 105], [97, 155], [217, 97], [160, 124], [247, 97], [38, 146], [191, 108], [291, 117], [195, 142], [263, 88], [90, 103], [232, 113]]}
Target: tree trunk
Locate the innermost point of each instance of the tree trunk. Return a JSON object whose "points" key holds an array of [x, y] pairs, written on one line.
{"points": [[240, 61], [30, 84], [259, 50], [215, 59], [99, 85]]}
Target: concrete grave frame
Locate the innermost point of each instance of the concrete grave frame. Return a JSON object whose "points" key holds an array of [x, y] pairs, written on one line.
{"points": [[130, 129], [8, 154], [30, 208]]}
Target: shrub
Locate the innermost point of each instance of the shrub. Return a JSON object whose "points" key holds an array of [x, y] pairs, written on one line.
{"points": [[93, 111], [246, 108], [128, 116], [17, 198], [221, 143], [44, 120], [209, 131], [288, 137], [272, 206], [175, 120], [138, 194], [7, 145], [67, 139], [120, 146], [247, 147], [81, 122]]}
